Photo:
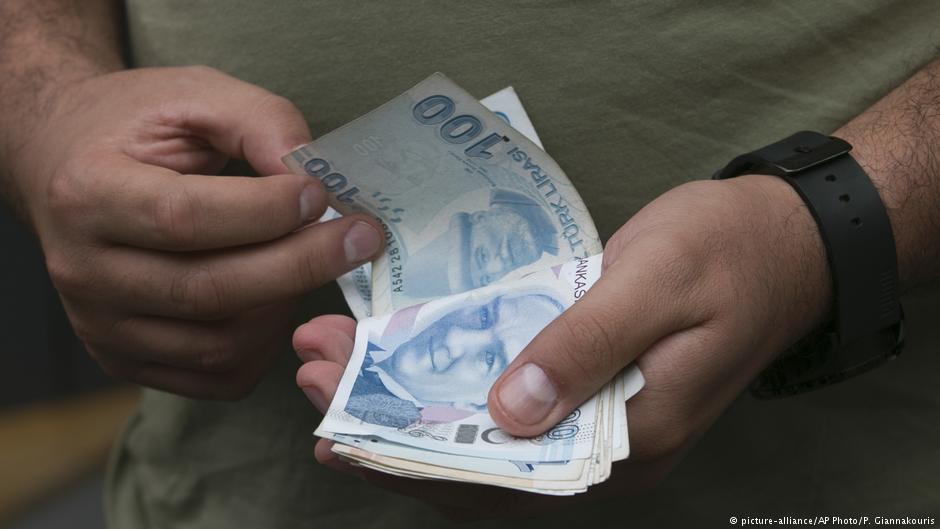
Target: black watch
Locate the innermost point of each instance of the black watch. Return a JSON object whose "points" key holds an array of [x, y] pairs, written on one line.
{"points": [[868, 327]]}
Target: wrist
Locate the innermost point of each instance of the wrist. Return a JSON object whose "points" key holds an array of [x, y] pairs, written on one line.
{"points": [[46, 46], [856, 233], [31, 100], [797, 274], [896, 142], [911, 196]]}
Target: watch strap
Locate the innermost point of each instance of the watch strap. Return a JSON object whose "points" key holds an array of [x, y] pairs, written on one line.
{"points": [[818, 360], [860, 249]]}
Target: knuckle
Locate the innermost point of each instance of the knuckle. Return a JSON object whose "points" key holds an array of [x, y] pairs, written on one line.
{"points": [[192, 82], [66, 276], [174, 217], [268, 107], [197, 292], [219, 355], [313, 269], [274, 104], [86, 332], [694, 189], [679, 262], [66, 196], [114, 369], [111, 367], [682, 250]]}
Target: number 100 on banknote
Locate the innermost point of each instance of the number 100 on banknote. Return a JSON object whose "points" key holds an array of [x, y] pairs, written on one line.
{"points": [[465, 199]]}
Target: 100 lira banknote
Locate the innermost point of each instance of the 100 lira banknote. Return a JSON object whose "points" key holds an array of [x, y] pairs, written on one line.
{"points": [[465, 199], [357, 283], [420, 376], [488, 242]]}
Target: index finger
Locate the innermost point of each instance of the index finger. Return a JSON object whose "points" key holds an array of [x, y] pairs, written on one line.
{"points": [[215, 285], [157, 208]]}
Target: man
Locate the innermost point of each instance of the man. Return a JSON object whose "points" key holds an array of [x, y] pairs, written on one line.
{"points": [[184, 282], [451, 362], [480, 247]]}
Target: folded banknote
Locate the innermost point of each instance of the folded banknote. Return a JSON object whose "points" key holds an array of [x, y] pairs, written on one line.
{"points": [[412, 400], [488, 243]]}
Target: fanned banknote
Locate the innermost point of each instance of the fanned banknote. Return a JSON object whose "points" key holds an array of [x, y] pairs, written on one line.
{"points": [[412, 401], [357, 284], [488, 243], [465, 199]]}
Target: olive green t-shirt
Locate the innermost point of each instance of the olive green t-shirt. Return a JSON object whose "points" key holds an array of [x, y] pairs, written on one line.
{"points": [[631, 98]]}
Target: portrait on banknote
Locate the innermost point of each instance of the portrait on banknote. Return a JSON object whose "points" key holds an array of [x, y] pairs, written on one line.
{"points": [[442, 360], [481, 243]]}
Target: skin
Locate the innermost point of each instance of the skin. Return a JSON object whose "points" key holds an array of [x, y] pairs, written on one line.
{"points": [[702, 288], [172, 277], [714, 278]]}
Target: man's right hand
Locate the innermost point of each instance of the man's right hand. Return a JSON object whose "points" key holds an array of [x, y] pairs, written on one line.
{"points": [[173, 279]]}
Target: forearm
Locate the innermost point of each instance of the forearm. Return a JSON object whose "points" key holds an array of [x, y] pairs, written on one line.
{"points": [[45, 45], [897, 141]]}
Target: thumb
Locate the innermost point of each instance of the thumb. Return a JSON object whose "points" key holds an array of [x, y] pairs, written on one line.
{"points": [[576, 354]]}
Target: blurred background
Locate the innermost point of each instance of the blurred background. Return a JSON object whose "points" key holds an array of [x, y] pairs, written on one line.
{"points": [[59, 414]]}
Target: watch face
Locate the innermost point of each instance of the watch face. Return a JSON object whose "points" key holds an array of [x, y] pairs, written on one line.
{"points": [[808, 151]]}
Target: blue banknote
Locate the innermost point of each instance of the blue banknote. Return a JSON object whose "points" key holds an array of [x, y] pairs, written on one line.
{"points": [[357, 284], [488, 242], [420, 376], [465, 199]]}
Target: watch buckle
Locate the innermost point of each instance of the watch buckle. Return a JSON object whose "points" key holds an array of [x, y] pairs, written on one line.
{"points": [[810, 153]]}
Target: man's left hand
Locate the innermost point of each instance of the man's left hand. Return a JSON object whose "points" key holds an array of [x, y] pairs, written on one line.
{"points": [[702, 288]]}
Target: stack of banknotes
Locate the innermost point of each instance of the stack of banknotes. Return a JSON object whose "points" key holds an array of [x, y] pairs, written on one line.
{"points": [[487, 243]]}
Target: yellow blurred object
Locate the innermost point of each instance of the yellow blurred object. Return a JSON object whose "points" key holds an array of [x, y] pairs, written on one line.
{"points": [[44, 447]]}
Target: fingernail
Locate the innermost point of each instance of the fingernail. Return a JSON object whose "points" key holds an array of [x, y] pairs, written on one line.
{"points": [[528, 395], [316, 398], [362, 241]]}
